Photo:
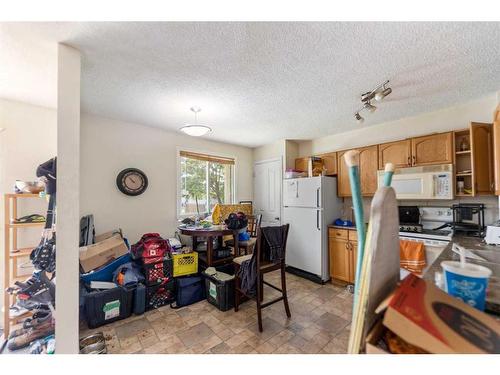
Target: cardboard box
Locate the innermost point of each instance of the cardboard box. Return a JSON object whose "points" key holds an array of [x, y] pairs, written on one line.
{"points": [[373, 339], [102, 252], [106, 235], [425, 316]]}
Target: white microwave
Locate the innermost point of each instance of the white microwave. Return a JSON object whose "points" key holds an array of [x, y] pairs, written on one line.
{"points": [[422, 183]]}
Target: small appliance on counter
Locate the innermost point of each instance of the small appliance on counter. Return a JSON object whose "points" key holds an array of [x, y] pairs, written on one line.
{"points": [[468, 219], [493, 234]]}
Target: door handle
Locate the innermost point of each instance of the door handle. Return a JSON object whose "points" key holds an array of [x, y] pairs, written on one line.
{"points": [[317, 220], [414, 160], [409, 160], [317, 197], [276, 218]]}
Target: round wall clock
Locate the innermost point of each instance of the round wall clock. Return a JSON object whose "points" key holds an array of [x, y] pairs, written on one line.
{"points": [[132, 181]]}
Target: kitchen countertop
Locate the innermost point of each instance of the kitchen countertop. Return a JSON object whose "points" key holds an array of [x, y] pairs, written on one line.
{"points": [[341, 227], [471, 243]]}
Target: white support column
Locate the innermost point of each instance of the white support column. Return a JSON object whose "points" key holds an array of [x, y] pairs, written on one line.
{"points": [[68, 205]]}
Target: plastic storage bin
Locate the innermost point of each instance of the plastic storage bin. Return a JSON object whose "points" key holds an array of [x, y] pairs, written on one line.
{"points": [[160, 295], [106, 306], [157, 272], [185, 264], [219, 293], [105, 273]]}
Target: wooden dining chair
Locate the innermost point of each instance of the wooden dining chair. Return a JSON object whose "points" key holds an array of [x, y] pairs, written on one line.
{"points": [[248, 246], [263, 266]]}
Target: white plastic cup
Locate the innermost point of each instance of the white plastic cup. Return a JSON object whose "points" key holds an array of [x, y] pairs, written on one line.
{"points": [[467, 283]]}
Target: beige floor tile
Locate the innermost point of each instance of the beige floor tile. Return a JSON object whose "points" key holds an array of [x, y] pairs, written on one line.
{"points": [[194, 335], [319, 324], [239, 339], [282, 337]]}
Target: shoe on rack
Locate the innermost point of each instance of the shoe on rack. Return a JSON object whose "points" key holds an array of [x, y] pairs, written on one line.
{"points": [[32, 334], [33, 322]]}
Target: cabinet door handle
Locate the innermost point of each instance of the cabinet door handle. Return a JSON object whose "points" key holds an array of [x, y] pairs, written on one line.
{"points": [[414, 160], [409, 160]]}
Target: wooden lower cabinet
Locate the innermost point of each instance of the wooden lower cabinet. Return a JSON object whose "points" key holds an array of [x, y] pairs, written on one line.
{"points": [[343, 252], [339, 259]]}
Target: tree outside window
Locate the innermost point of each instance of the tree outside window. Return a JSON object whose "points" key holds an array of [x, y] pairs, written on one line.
{"points": [[204, 183]]}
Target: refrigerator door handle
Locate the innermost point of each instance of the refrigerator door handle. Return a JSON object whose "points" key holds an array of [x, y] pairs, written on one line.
{"points": [[317, 197], [317, 220]]}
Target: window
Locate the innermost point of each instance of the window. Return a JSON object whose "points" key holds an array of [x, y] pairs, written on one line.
{"points": [[205, 180]]}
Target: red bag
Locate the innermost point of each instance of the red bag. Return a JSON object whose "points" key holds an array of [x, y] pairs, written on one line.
{"points": [[151, 245]]}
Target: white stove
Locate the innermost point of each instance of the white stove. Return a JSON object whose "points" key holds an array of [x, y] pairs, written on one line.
{"points": [[435, 241], [428, 236]]}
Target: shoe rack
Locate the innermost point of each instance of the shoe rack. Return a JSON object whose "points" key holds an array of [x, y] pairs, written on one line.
{"points": [[12, 253]]}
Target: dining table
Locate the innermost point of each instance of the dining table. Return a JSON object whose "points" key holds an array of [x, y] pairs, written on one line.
{"points": [[208, 234]]}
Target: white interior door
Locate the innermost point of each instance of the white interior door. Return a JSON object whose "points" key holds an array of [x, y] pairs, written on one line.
{"points": [[267, 191]]}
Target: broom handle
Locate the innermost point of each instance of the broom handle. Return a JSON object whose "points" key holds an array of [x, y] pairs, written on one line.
{"points": [[389, 171], [357, 202]]}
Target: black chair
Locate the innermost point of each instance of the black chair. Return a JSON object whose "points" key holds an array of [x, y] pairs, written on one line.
{"points": [[249, 245], [263, 266]]}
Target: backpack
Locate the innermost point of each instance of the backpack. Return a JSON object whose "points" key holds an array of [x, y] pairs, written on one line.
{"points": [[151, 245], [236, 221]]}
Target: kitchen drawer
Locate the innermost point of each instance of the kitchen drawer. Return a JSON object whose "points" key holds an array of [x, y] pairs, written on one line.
{"points": [[353, 235], [338, 233]]}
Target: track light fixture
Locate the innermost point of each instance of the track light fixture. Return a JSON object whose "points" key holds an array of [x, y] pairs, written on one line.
{"points": [[369, 107], [378, 94], [358, 118]]}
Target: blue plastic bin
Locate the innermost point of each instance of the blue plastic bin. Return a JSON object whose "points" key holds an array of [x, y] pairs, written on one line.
{"points": [[105, 273]]}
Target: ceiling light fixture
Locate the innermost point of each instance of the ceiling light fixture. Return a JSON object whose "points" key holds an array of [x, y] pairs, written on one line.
{"points": [[195, 130], [378, 94], [369, 107]]}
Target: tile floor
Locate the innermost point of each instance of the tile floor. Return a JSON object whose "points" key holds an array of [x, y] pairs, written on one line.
{"points": [[320, 323]]}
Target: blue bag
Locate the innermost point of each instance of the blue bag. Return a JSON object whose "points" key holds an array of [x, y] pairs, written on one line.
{"points": [[189, 290]]}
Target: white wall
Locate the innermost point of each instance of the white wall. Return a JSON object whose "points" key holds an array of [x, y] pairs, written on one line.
{"points": [[456, 117], [108, 146], [29, 139], [68, 194], [269, 151]]}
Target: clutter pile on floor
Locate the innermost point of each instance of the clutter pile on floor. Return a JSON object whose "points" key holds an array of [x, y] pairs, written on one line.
{"points": [[118, 280], [35, 297]]}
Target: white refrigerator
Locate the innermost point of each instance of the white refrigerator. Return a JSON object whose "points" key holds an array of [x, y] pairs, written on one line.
{"points": [[310, 205]]}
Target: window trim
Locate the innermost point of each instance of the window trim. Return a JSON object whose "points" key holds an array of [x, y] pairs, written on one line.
{"points": [[178, 175]]}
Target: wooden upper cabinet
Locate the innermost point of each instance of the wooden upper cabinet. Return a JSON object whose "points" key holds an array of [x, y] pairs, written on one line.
{"points": [[496, 155], [482, 154], [343, 183], [432, 149], [368, 167], [398, 153], [329, 163], [496, 149]]}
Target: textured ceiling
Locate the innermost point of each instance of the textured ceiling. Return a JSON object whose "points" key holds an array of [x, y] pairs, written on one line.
{"points": [[256, 82]]}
